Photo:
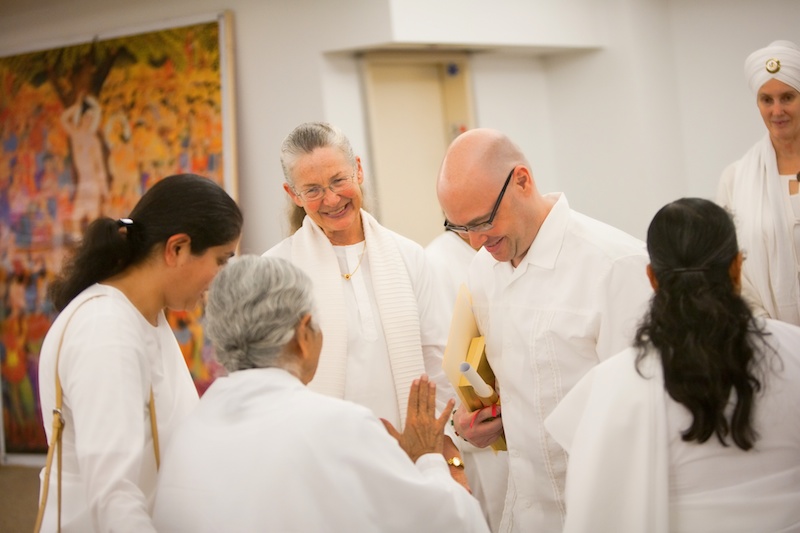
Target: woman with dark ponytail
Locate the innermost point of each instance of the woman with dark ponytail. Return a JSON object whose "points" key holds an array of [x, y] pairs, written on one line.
{"points": [[117, 362], [697, 426], [705, 334]]}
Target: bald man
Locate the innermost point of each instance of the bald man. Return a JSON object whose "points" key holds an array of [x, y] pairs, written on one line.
{"points": [[554, 293]]}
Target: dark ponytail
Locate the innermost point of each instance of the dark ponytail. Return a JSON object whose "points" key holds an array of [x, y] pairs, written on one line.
{"points": [[183, 203], [704, 331]]}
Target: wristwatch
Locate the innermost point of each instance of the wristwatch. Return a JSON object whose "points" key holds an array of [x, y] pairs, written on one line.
{"points": [[456, 462]]}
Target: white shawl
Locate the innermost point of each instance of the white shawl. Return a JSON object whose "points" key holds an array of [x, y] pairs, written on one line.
{"points": [[763, 229], [613, 424], [397, 306]]}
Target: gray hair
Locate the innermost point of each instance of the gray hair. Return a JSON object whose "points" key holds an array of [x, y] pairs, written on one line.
{"points": [[254, 305], [306, 138]]}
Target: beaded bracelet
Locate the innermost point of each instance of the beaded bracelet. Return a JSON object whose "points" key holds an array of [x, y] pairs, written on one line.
{"points": [[453, 425]]}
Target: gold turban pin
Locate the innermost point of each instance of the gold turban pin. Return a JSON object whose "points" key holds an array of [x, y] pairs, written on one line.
{"points": [[773, 65]]}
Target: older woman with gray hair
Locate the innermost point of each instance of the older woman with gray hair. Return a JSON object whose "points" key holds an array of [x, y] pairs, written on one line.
{"points": [[762, 189], [262, 452], [383, 323]]}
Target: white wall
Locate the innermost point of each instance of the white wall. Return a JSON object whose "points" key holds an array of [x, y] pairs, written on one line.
{"points": [[653, 111], [615, 124], [511, 95], [710, 41], [511, 23]]}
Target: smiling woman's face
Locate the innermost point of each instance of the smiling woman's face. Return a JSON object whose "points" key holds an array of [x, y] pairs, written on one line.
{"points": [[338, 214], [779, 105]]}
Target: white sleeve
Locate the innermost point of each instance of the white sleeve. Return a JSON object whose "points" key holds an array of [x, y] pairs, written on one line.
{"points": [[409, 497], [105, 377], [725, 191], [613, 425], [626, 294], [434, 324], [725, 186]]}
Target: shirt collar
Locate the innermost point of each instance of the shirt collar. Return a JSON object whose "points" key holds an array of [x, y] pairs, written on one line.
{"points": [[547, 244]]}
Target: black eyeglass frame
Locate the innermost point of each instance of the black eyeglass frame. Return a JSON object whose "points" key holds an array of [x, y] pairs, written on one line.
{"points": [[483, 226]]}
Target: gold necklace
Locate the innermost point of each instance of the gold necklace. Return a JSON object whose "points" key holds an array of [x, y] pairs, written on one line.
{"points": [[363, 253]]}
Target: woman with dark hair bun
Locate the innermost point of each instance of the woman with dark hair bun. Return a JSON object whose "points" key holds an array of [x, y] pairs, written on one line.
{"points": [[697, 426], [114, 357]]}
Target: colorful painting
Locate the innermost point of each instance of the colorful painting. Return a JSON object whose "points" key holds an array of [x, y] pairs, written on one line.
{"points": [[85, 129]]}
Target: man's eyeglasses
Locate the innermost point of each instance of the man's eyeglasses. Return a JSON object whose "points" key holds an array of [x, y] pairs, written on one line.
{"points": [[336, 186], [483, 226]]}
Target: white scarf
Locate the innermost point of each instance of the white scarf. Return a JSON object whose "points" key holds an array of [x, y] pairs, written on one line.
{"points": [[763, 231], [613, 424], [397, 305]]}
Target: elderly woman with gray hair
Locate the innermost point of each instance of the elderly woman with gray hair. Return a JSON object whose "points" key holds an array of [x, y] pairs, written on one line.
{"points": [[763, 188], [262, 452], [376, 295]]}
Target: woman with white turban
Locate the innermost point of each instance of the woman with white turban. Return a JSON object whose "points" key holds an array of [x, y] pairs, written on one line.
{"points": [[763, 188]]}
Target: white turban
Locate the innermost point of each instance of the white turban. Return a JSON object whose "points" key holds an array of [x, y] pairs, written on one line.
{"points": [[779, 60]]}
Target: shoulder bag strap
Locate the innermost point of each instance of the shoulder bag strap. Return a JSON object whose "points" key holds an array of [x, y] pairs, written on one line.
{"points": [[55, 443], [58, 428]]}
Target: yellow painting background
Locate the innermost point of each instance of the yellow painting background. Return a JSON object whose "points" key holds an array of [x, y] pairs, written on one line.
{"points": [[84, 131]]}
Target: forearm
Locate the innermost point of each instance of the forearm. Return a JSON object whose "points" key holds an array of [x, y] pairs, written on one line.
{"points": [[463, 509]]}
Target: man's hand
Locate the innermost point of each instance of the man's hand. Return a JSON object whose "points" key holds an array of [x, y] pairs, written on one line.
{"points": [[423, 432], [480, 428]]}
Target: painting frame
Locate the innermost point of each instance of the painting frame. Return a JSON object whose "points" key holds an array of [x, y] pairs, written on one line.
{"points": [[86, 126]]}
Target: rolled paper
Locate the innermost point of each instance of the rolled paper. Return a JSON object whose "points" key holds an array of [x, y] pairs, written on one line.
{"points": [[482, 389]]}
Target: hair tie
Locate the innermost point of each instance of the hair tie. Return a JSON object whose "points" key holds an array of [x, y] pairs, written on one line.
{"points": [[124, 222], [689, 269]]}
